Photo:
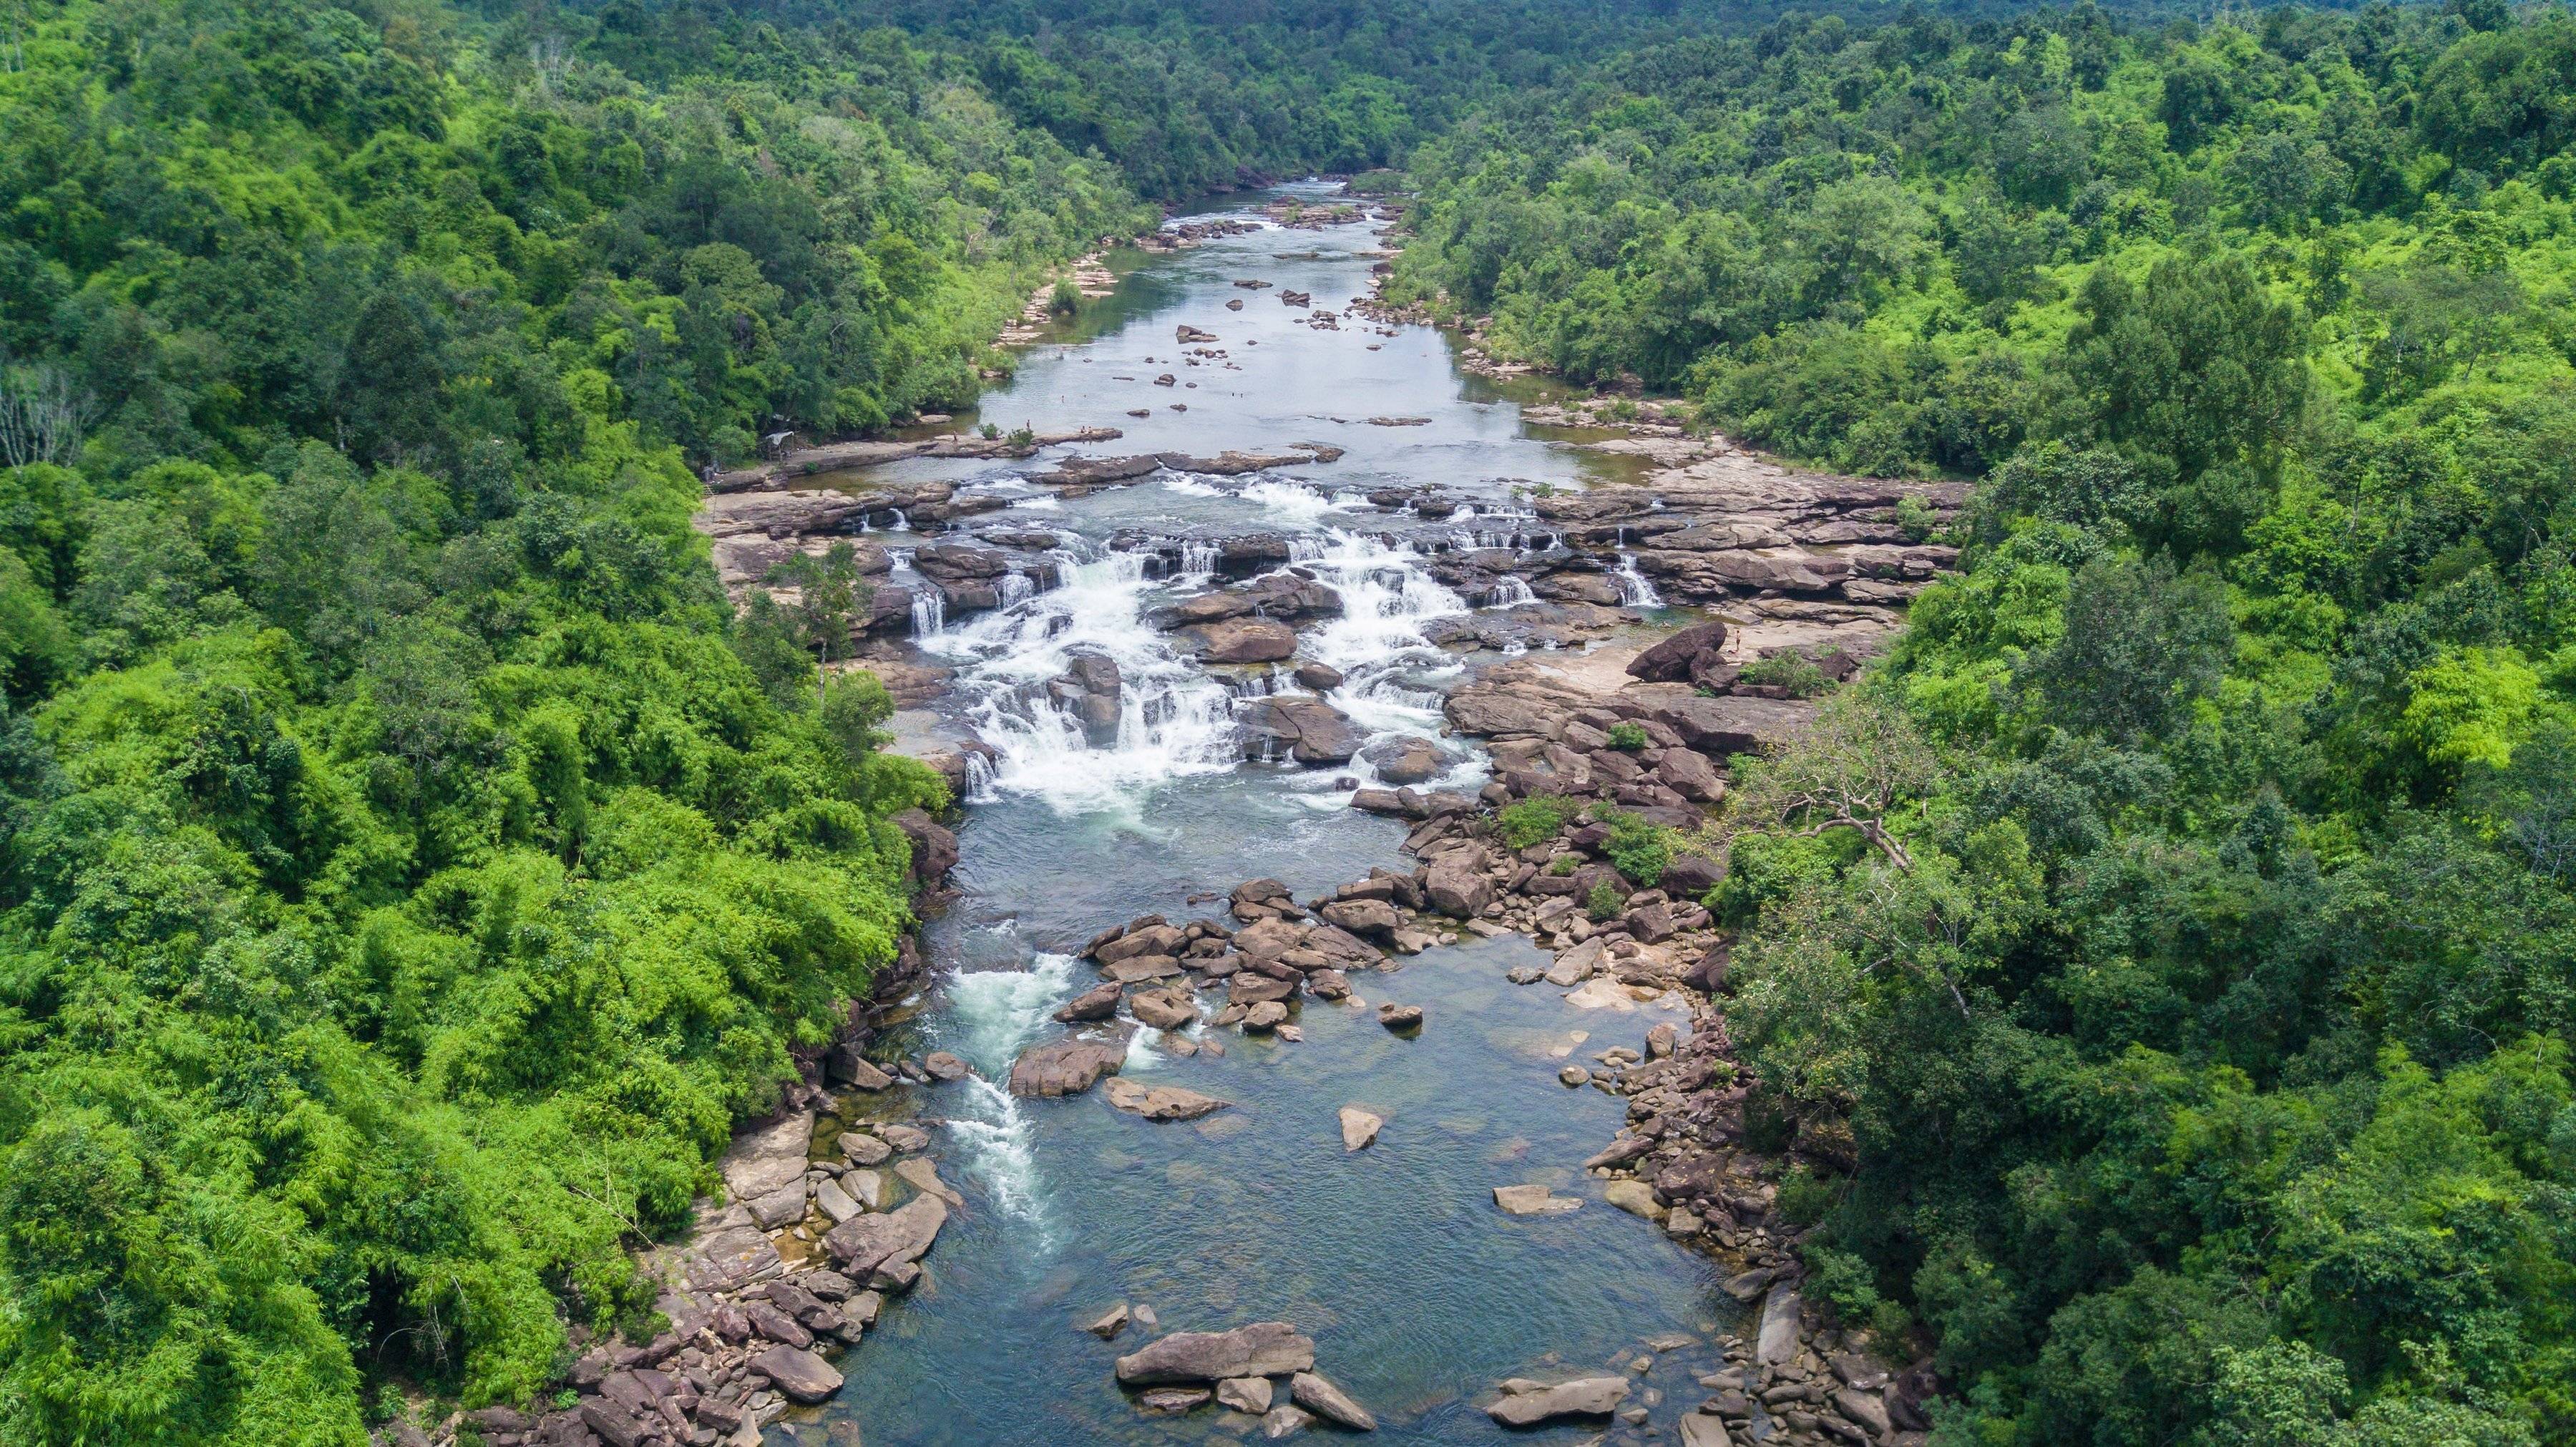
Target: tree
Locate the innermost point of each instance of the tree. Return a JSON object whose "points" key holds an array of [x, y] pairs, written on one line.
{"points": [[830, 598]]}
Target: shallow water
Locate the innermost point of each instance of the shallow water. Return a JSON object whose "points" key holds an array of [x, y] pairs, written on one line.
{"points": [[1419, 1293]]}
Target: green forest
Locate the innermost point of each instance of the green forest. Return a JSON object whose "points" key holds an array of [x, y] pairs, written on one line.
{"points": [[410, 868], [2200, 1072]]}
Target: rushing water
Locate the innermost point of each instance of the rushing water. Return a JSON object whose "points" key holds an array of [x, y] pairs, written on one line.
{"points": [[1419, 1293]]}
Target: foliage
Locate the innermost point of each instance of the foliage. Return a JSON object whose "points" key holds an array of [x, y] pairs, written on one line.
{"points": [[1790, 670], [1527, 821], [1628, 737]]}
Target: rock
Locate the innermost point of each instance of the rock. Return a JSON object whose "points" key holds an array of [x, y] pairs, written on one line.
{"points": [[798, 1373], [1266, 1016], [1174, 1400], [731, 1259], [923, 1176], [864, 1243], [1533, 1201], [944, 1066], [779, 1208], [1242, 640], [1097, 1003], [1285, 1422], [1308, 730], [1404, 759], [851, 1068], [834, 1202], [1868, 1409], [1400, 1017], [1573, 1075], [1576, 965], [1068, 1066], [1321, 677], [1776, 1342], [934, 848], [1374, 917], [1329, 1402], [1634, 1197], [1109, 1323], [1735, 725], [1669, 661], [1704, 1429], [1160, 1102], [772, 1157], [1165, 1009], [865, 1150], [1583, 1397], [1359, 1127], [1244, 1394], [905, 1137], [1457, 890], [1263, 1349]]}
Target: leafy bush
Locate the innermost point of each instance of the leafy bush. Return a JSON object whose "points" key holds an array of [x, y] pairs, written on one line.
{"points": [[1628, 737], [1527, 821], [1788, 669], [1641, 851], [1603, 903]]}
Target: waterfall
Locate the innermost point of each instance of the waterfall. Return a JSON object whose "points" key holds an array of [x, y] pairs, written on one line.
{"points": [[1013, 589], [1509, 592], [1173, 719], [1377, 643], [1634, 590], [1199, 560], [929, 611], [979, 777]]}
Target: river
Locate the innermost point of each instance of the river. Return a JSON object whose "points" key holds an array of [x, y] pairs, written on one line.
{"points": [[1419, 1293]]}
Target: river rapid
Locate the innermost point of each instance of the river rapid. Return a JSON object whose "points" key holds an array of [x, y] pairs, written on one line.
{"points": [[1419, 1293]]}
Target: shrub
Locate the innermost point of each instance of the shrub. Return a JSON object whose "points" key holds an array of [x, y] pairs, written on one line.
{"points": [[1791, 671], [1628, 737], [1533, 819], [1564, 864], [1637, 848], [1065, 298], [1603, 902]]}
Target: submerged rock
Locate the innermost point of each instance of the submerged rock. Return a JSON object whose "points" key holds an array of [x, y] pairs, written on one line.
{"points": [[1161, 1102], [1329, 1402], [1534, 1201]]}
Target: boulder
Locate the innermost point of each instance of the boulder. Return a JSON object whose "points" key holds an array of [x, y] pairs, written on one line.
{"points": [[1244, 1394], [1399, 1017], [1329, 1402], [1669, 661], [1688, 772], [1160, 1102], [943, 1066], [1267, 1016], [934, 848], [1263, 1349], [1307, 730], [1359, 1127], [1109, 1323], [1174, 1400], [1457, 890], [1583, 1397], [798, 1373], [1704, 1429], [864, 1243], [1097, 1003], [1776, 1340], [1634, 1197], [1285, 1421], [1068, 1066], [1165, 1009], [1242, 640], [1321, 677], [1404, 759], [1363, 916]]}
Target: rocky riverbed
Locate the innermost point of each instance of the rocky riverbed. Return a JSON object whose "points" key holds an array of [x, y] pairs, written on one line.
{"points": [[1244, 1079]]}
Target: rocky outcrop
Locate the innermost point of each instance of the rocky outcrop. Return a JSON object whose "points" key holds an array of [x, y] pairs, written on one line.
{"points": [[1292, 726], [1241, 640]]}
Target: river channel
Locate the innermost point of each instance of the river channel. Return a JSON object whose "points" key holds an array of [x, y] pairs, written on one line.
{"points": [[1419, 1293]]}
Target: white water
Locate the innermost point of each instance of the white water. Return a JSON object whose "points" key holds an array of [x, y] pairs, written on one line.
{"points": [[1509, 592], [1377, 643], [929, 611], [1298, 503], [1634, 590], [1174, 720], [992, 1014]]}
